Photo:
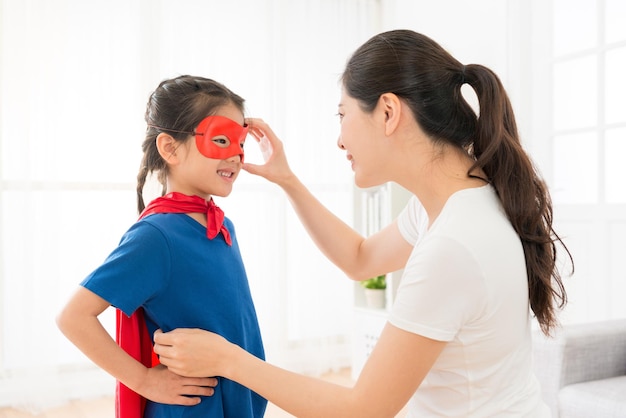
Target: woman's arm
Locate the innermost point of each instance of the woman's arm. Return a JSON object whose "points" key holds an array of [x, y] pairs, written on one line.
{"points": [[391, 375], [79, 323], [360, 258]]}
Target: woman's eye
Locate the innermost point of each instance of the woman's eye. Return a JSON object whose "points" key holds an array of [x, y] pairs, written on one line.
{"points": [[340, 116], [221, 141]]}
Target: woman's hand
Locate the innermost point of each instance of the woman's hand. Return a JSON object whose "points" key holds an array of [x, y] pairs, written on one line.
{"points": [[164, 386], [192, 352], [276, 168]]}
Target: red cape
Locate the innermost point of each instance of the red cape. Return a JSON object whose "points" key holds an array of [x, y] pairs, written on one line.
{"points": [[133, 336]]}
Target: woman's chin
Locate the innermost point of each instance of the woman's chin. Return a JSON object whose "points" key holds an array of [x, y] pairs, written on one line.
{"points": [[365, 183]]}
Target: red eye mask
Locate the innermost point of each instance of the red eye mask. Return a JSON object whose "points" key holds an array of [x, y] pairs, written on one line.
{"points": [[212, 129]]}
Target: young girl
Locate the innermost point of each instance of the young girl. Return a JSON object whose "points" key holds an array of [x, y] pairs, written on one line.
{"points": [[475, 241], [179, 265]]}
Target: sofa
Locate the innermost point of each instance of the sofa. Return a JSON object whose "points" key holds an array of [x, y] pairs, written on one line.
{"points": [[582, 369]]}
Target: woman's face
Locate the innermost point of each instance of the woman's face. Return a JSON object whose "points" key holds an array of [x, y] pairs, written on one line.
{"points": [[361, 136]]}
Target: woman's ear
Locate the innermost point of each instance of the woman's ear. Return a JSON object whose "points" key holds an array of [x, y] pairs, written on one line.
{"points": [[167, 146], [392, 108]]}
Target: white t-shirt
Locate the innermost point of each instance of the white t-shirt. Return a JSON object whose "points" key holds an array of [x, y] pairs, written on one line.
{"points": [[465, 283]]}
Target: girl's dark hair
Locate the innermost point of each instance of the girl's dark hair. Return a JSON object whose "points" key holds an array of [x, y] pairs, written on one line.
{"points": [[176, 107], [424, 75]]}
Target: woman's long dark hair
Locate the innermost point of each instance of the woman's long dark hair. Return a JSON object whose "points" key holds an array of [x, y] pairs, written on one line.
{"points": [[176, 107], [429, 80]]}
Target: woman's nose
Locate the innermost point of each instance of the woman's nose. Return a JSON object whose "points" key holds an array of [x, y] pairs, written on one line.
{"points": [[339, 143]]}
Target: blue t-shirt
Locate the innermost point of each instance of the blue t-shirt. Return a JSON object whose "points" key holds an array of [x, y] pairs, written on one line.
{"points": [[166, 264]]}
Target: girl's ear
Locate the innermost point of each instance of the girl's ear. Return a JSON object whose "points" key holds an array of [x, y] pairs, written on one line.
{"points": [[391, 107], [167, 146]]}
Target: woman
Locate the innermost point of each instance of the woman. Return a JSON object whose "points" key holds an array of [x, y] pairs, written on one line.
{"points": [[476, 244]]}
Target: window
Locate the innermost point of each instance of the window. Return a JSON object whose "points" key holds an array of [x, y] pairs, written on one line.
{"points": [[589, 60], [579, 129]]}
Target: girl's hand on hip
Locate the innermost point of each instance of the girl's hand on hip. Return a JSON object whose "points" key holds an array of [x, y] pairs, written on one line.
{"points": [[164, 386]]}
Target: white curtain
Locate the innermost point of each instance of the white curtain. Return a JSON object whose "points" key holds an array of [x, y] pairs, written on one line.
{"points": [[74, 80]]}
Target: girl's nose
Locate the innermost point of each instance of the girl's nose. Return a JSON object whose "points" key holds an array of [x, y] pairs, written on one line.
{"points": [[236, 158]]}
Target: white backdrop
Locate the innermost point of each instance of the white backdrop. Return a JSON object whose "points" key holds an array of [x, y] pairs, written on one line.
{"points": [[74, 79]]}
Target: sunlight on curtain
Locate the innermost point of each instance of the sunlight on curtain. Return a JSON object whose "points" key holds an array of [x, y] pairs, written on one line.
{"points": [[74, 80]]}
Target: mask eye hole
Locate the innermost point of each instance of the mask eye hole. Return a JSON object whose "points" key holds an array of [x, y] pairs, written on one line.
{"points": [[221, 141]]}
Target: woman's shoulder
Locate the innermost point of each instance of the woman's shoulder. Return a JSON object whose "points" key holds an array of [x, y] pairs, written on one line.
{"points": [[474, 203], [475, 217], [485, 193]]}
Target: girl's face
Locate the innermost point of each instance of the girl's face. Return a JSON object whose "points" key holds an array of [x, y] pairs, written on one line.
{"points": [[362, 138], [200, 175], [220, 138]]}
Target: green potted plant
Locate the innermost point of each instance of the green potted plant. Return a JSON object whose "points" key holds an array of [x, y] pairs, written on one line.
{"points": [[375, 291]]}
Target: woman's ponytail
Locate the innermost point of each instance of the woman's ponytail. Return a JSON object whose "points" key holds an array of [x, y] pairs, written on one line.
{"points": [[524, 195]]}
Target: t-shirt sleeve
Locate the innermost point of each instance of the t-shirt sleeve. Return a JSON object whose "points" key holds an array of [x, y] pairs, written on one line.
{"points": [[135, 271], [412, 221], [441, 290]]}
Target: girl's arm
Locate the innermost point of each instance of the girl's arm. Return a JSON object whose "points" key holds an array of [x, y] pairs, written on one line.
{"points": [[360, 258], [383, 388], [79, 323]]}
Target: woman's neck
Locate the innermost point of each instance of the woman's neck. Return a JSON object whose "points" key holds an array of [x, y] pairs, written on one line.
{"points": [[446, 173]]}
